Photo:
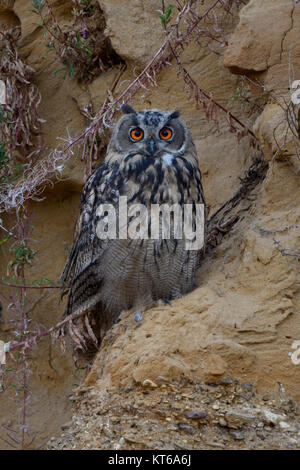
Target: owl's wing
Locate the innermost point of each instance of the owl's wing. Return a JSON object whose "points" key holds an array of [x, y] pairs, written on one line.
{"points": [[80, 272]]}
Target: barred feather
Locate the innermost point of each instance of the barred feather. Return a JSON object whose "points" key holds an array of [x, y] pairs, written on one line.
{"points": [[108, 276]]}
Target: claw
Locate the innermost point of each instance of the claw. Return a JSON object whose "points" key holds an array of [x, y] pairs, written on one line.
{"points": [[166, 301], [139, 317]]}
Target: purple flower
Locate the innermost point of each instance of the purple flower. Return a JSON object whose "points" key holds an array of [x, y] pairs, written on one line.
{"points": [[84, 30]]}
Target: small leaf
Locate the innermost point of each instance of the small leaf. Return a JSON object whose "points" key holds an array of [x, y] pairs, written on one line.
{"points": [[4, 239], [169, 11], [58, 71], [44, 279], [162, 19]]}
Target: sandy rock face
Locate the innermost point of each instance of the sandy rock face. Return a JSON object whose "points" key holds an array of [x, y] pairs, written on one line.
{"points": [[243, 318], [266, 41], [250, 48], [132, 37]]}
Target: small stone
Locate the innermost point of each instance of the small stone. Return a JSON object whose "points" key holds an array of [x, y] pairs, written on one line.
{"points": [[207, 402], [172, 427], [266, 397], [161, 378], [225, 381], [149, 383], [115, 420], [293, 441], [64, 427], [243, 396], [216, 406], [272, 418], [247, 387], [188, 428], [222, 422], [237, 435], [283, 425], [211, 384], [236, 420], [195, 414]]}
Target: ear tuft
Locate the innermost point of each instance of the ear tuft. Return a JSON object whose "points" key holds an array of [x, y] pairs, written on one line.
{"points": [[128, 109], [174, 115]]}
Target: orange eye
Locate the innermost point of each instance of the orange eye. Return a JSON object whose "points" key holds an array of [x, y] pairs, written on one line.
{"points": [[166, 133], [136, 134]]}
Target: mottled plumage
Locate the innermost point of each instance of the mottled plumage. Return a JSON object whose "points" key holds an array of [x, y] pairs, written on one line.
{"points": [[108, 276]]}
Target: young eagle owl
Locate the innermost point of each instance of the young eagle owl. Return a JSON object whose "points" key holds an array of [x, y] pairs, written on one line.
{"points": [[151, 159]]}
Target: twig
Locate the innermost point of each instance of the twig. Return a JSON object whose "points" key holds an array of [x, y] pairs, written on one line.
{"points": [[33, 339], [20, 286]]}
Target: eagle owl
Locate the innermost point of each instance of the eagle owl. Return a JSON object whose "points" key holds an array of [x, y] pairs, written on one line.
{"points": [[151, 160]]}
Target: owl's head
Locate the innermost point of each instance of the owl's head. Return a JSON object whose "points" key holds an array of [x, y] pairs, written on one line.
{"points": [[153, 133]]}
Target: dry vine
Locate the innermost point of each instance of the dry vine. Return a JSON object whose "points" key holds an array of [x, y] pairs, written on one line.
{"points": [[20, 121], [225, 217], [286, 131]]}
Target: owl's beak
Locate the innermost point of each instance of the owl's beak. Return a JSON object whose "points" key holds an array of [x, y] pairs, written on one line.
{"points": [[151, 147]]}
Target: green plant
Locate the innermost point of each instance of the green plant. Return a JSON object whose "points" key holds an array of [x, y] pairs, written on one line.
{"points": [[22, 255], [240, 96], [5, 114], [37, 6], [165, 16], [83, 7], [4, 159], [82, 48], [9, 172]]}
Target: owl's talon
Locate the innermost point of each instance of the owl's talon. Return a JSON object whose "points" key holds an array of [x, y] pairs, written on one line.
{"points": [[139, 317], [166, 301]]}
